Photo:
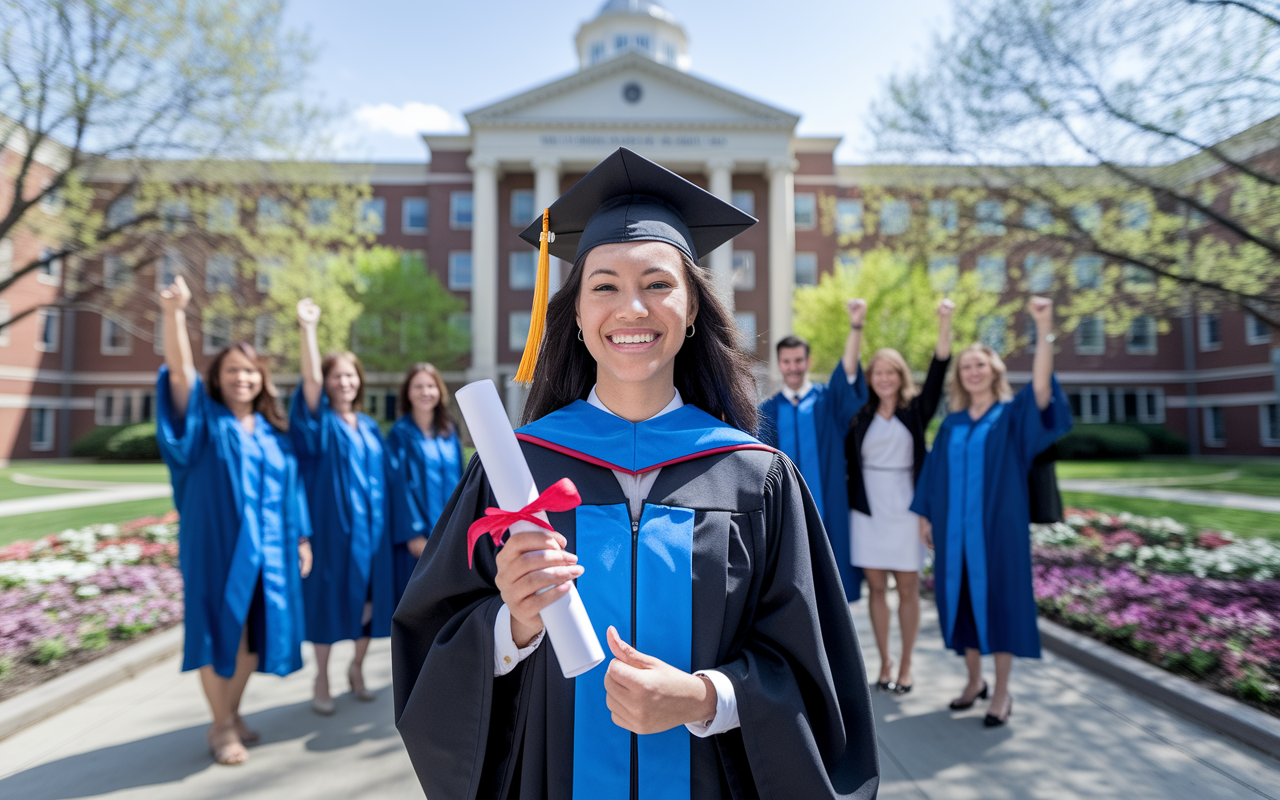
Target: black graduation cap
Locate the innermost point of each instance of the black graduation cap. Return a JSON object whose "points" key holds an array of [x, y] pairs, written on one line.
{"points": [[628, 198], [625, 198]]}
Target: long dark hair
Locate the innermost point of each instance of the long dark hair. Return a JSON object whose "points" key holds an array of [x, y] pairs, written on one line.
{"points": [[267, 403], [711, 372], [441, 422]]}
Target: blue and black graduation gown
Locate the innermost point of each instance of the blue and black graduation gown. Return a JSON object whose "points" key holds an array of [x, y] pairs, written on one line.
{"points": [[727, 568], [344, 473], [242, 511], [812, 433], [422, 472], [973, 490]]}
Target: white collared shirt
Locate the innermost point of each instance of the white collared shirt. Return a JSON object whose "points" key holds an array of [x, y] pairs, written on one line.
{"points": [[636, 487], [796, 396]]}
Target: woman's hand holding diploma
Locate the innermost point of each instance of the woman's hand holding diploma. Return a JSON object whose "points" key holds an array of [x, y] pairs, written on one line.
{"points": [[531, 561], [647, 695]]}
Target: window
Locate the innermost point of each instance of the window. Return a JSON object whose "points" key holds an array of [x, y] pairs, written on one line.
{"points": [[895, 217], [460, 330], [1088, 215], [169, 267], [319, 211], [848, 216], [5, 316], [991, 332], [597, 52], [267, 267], [1090, 336], [1088, 272], [120, 212], [122, 406], [642, 42], [944, 214], [806, 211], [270, 213], [1210, 333], [744, 270], [944, 272], [806, 269], [222, 215], [990, 214], [620, 42], [263, 327], [524, 269], [1039, 273], [219, 273], [43, 421], [115, 272], [1269, 424], [991, 273], [50, 270], [48, 327], [1150, 405], [1142, 336], [1094, 405], [216, 334], [1255, 330], [745, 201], [1137, 278], [460, 270], [174, 215], [373, 216], [1215, 427], [849, 261], [51, 202], [460, 210], [521, 207], [669, 56], [746, 322], [6, 258], [413, 215], [517, 330], [1135, 215], [115, 339], [1037, 216]]}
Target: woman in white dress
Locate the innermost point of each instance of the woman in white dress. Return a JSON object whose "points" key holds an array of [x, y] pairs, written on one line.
{"points": [[885, 449]]}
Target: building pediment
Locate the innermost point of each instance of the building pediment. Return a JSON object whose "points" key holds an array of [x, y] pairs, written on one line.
{"points": [[627, 91]]}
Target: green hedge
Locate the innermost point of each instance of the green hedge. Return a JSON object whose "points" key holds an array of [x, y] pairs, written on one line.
{"points": [[134, 443], [94, 443], [1088, 442]]}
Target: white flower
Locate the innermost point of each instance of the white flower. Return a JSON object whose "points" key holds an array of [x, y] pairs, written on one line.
{"points": [[45, 570], [88, 590]]}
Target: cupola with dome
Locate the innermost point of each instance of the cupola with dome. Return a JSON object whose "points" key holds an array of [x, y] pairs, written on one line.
{"points": [[627, 26]]}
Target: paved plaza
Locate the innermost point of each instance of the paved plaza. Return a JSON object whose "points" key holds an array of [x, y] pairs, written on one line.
{"points": [[1071, 735]]}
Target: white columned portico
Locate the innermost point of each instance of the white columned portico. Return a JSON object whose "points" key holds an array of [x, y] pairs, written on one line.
{"points": [[720, 182], [546, 190], [484, 268], [782, 254]]}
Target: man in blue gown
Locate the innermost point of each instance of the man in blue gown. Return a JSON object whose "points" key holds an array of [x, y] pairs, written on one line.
{"points": [[809, 423]]}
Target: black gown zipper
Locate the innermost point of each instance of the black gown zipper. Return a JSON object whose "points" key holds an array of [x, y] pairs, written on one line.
{"points": [[635, 740]]}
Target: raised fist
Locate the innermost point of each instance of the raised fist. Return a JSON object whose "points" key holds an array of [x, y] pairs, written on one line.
{"points": [[177, 296], [308, 313], [857, 309], [1041, 310], [945, 308]]}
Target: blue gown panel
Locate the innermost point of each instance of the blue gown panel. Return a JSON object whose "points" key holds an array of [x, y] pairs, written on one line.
{"points": [[812, 435], [422, 472], [242, 510], [344, 473], [973, 489]]}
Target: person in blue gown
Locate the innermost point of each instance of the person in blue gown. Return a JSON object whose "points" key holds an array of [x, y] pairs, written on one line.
{"points": [[244, 526], [808, 422], [424, 464], [350, 593], [973, 495]]}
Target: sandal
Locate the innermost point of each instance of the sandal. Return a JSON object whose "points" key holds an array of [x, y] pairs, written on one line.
{"points": [[960, 704]]}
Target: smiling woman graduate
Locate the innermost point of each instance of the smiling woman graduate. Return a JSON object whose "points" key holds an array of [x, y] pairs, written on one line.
{"points": [[697, 551]]}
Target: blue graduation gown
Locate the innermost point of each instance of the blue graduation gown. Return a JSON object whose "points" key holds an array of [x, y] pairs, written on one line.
{"points": [[422, 472], [242, 510], [344, 474], [812, 435], [973, 489]]}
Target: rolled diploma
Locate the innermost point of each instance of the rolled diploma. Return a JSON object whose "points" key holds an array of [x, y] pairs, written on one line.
{"points": [[566, 620]]}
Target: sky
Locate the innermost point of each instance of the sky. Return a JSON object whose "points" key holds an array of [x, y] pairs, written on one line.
{"points": [[394, 68]]}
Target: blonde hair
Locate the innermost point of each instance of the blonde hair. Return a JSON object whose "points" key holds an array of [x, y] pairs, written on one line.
{"points": [[958, 397], [906, 384]]}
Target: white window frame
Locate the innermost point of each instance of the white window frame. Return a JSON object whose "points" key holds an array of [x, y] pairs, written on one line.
{"points": [[810, 198], [375, 207], [54, 276], [1202, 332], [1086, 410], [1137, 279], [266, 268], [945, 214], [1087, 215], [1267, 436], [992, 321], [850, 213], [744, 270], [1037, 216], [1207, 418], [222, 215], [405, 204], [50, 427], [1135, 215], [455, 284], [1039, 272], [1142, 393], [806, 256], [104, 337], [120, 211], [518, 323], [944, 272], [136, 398], [270, 213], [174, 215], [987, 275], [455, 199], [114, 271], [897, 211], [989, 215], [1094, 264], [320, 211], [745, 324], [515, 219], [1135, 350], [513, 260], [1251, 336], [744, 200], [213, 281], [597, 51], [206, 326], [42, 323], [1090, 350]]}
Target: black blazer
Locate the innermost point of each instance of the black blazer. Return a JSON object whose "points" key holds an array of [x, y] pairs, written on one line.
{"points": [[920, 409]]}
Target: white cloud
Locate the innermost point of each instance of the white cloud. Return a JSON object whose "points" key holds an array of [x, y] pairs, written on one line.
{"points": [[408, 119]]}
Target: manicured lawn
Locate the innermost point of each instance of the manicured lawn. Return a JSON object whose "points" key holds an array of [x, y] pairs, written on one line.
{"points": [[1256, 477], [33, 526], [124, 472], [1242, 523]]}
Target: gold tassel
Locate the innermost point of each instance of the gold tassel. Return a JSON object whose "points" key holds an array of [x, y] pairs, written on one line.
{"points": [[541, 296]]}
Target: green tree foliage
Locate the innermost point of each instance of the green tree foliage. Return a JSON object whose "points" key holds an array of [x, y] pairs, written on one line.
{"points": [[406, 314]]}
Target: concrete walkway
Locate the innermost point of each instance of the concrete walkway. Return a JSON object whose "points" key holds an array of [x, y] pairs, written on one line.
{"points": [[1071, 735], [119, 493], [1195, 497]]}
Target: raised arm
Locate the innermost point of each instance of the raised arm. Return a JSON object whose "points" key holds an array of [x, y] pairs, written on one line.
{"points": [[312, 382], [942, 350], [1041, 309], [177, 345], [853, 345]]}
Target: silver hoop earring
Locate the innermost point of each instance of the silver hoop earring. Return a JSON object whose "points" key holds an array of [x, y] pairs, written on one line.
{"points": [[580, 334], [692, 330]]}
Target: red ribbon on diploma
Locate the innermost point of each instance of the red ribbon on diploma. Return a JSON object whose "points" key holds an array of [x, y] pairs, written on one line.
{"points": [[559, 496]]}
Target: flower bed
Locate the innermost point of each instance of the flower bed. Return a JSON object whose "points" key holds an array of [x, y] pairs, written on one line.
{"points": [[1203, 604], [72, 597]]}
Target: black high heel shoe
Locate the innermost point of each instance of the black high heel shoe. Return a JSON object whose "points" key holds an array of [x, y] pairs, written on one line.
{"points": [[992, 721], [960, 705], [886, 686]]}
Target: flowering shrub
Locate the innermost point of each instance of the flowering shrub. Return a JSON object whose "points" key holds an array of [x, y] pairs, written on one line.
{"points": [[79, 590]]}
